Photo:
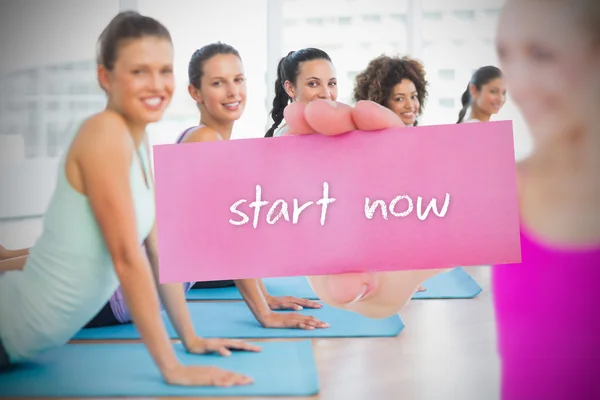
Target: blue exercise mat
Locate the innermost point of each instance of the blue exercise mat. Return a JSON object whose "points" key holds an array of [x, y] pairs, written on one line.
{"points": [[296, 286], [454, 284], [127, 370], [235, 320]]}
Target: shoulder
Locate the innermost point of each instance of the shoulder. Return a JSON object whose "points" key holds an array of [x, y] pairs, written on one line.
{"points": [[103, 135], [201, 134], [107, 124], [105, 129], [281, 131]]}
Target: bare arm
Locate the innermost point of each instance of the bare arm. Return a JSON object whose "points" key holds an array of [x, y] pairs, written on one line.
{"points": [[104, 165], [6, 253], [172, 296], [12, 264], [250, 289], [12, 260], [254, 297], [263, 289]]}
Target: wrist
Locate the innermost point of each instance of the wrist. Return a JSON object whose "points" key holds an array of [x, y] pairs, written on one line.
{"points": [[189, 337], [264, 308], [264, 316], [260, 307], [169, 369], [194, 342]]}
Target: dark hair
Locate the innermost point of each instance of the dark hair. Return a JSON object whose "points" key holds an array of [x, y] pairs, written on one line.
{"points": [[200, 56], [125, 26], [481, 77], [377, 81], [591, 13], [288, 70]]}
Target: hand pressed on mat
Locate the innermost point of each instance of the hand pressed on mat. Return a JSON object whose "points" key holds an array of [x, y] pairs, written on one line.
{"points": [[220, 346], [196, 375], [290, 303], [275, 320]]}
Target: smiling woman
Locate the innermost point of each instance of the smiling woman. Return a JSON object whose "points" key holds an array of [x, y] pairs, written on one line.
{"points": [[145, 85], [485, 95], [396, 83], [101, 211], [248, 37], [217, 84], [302, 76]]}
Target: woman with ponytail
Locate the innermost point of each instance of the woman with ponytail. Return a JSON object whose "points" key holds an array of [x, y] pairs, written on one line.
{"points": [[302, 76], [485, 95], [100, 227]]}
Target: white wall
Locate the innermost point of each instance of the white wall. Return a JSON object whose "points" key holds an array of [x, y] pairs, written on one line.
{"points": [[42, 32], [193, 24], [37, 33]]}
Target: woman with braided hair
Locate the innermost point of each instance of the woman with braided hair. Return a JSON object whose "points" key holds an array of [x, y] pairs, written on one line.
{"points": [[302, 76]]}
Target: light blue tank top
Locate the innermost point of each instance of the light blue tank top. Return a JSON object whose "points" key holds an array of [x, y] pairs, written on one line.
{"points": [[117, 302], [69, 274]]}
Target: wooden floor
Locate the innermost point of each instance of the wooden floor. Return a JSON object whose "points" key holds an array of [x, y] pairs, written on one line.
{"points": [[446, 352]]}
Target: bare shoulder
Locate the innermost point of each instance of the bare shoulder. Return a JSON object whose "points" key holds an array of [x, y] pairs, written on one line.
{"points": [[103, 141], [105, 127], [104, 134], [202, 134]]}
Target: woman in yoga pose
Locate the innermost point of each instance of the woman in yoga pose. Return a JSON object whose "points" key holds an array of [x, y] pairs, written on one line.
{"points": [[396, 83], [217, 84], [485, 95], [101, 213], [547, 306]]}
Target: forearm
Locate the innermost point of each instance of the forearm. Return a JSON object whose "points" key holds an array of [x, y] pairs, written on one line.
{"points": [[13, 264], [19, 253], [254, 296], [173, 300], [6, 253], [143, 304], [263, 289]]}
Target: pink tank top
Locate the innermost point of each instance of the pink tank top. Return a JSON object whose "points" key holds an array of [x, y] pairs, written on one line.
{"points": [[548, 319]]}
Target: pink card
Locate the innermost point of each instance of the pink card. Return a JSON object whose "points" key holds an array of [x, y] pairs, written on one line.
{"points": [[397, 199]]}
